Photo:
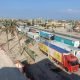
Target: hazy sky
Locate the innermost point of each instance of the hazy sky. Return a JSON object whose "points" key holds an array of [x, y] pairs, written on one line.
{"points": [[55, 9]]}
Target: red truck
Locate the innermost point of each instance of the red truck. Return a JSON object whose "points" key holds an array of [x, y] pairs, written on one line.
{"points": [[61, 56]]}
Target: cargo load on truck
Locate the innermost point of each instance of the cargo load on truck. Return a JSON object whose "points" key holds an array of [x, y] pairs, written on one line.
{"points": [[62, 56], [66, 40], [34, 36], [46, 35]]}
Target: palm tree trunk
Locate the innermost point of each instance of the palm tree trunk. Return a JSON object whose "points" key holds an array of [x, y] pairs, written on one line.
{"points": [[19, 41], [7, 39]]}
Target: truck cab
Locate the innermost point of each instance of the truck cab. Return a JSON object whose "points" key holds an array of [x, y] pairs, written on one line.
{"points": [[71, 63], [76, 52]]}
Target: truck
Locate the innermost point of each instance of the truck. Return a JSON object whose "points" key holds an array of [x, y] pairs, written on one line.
{"points": [[73, 50], [23, 29], [46, 35], [32, 30], [61, 56], [34, 36], [67, 40]]}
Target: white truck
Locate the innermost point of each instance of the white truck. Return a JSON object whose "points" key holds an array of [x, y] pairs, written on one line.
{"points": [[34, 36]]}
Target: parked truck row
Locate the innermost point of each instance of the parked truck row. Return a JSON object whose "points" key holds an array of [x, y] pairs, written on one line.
{"points": [[48, 43], [63, 57], [60, 38], [58, 53], [66, 40]]}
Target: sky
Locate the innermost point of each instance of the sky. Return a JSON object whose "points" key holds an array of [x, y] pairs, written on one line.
{"points": [[48, 9]]}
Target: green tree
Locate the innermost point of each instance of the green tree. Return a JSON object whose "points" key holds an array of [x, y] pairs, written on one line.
{"points": [[10, 27]]}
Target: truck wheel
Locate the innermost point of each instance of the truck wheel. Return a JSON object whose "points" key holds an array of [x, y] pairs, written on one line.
{"points": [[57, 62], [66, 69]]}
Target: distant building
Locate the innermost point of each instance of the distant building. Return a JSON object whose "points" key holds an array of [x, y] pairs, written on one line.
{"points": [[77, 27]]}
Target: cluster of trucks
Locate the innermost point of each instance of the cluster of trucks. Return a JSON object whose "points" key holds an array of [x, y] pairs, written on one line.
{"points": [[66, 55], [61, 49]]}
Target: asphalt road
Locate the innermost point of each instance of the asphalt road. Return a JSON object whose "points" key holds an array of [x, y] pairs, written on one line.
{"points": [[46, 70]]}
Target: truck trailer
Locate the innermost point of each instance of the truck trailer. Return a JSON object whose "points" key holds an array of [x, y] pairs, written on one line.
{"points": [[62, 56], [67, 40], [46, 35], [34, 36], [73, 50]]}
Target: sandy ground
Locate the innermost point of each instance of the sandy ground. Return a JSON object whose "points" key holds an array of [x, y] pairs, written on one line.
{"points": [[15, 52], [40, 56], [8, 70]]}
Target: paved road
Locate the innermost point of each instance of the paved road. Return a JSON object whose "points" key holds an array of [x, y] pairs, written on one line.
{"points": [[8, 71], [45, 70]]}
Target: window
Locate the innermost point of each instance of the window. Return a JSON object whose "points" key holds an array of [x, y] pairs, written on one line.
{"points": [[52, 37], [73, 63]]}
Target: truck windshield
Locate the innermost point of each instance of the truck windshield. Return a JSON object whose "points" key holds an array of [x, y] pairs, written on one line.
{"points": [[73, 63], [52, 37]]}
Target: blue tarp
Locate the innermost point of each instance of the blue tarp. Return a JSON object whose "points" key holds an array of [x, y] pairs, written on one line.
{"points": [[45, 34], [56, 47]]}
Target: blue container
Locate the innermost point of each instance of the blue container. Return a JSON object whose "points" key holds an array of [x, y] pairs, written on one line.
{"points": [[64, 40], [44, 34]]}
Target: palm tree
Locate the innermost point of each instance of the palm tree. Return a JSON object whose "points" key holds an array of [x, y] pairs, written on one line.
{"points": [[10, 27], [14, 32], [6, 29]]}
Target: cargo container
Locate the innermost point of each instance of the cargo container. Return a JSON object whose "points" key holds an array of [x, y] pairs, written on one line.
{"points": [[34, 36], [46, 35], [62, 56], [69, 41], [32, 30], [23, 29], [73, 50]]}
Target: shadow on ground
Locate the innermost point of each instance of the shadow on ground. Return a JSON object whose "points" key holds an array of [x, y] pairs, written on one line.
{"points": [[9, 73], [46, 70]]}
